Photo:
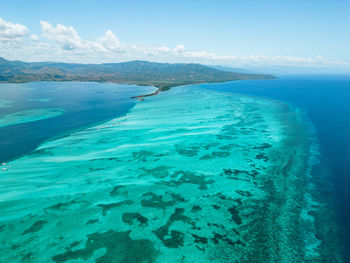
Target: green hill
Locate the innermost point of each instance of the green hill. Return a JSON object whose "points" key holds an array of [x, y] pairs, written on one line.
{"points": [[162, 75]]}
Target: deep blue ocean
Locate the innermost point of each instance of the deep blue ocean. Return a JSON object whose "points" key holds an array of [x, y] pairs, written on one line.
{"points": [[326, 101]]}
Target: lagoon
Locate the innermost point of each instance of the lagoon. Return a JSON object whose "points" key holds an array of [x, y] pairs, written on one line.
{"points": [[34, 112]]}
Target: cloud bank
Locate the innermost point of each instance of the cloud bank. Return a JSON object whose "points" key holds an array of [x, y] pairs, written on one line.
{"points": [[11, 31], [63, 43]]}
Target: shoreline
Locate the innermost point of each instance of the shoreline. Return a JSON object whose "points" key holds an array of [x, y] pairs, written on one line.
{"points": [[140, 97]]}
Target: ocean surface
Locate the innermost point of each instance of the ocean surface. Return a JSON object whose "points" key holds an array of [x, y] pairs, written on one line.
{"points": [[326, 101], [31, 113], [236, 172]]}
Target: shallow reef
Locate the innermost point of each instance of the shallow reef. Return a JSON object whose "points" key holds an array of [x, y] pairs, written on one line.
{"points": [[189, 175], [28, 116]]}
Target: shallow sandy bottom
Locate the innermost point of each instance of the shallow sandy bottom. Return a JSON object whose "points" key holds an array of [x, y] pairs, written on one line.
{"points": [[5, 103], [190, 175], [29, 116]]}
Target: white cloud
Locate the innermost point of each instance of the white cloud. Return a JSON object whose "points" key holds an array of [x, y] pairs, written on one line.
{"points": [[34, 37], [111, 42], [11, 31], [63, 43], [67, 37], [179, 48]]}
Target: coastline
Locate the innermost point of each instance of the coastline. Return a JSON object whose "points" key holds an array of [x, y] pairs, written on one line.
{"points": [[140, 97]]}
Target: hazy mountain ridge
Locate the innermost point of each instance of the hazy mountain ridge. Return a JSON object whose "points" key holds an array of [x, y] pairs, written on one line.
{"points": [[232, 69], [133, 72]]}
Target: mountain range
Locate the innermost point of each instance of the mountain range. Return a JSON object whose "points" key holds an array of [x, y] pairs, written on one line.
{"points": [[161, 75]]}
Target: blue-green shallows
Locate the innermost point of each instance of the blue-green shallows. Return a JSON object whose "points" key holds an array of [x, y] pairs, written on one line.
{"points": [[190, 175]]}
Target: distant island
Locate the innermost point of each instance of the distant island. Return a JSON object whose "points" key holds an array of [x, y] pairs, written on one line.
{"points": [[160, 75]]}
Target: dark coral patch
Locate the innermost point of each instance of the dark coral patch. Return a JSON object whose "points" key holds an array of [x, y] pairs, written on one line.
{"points": [[210, 145], [117, 190], [263, 146], [141, 155], [231, 173], [174, 238], [105, 159], [188, 151], [35, 227], [67, 205], [178, 215], [224, 197], [91, 169], [244, 193], [156, 201], [107, 207], [189, 178], [216, 207], [235, 215], [227, 147], [196, 208], [61, 206], [199, 239], [92, 221], [218, 237], [206, 157], [262, 156], [220, 154], [27, 257], [129, 218], [157, 172], [235, 171], [74, 244], [119, 247]]}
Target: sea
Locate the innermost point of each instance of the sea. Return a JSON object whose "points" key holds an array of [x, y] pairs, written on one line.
{"points": [[243, 171], [326, 101]]}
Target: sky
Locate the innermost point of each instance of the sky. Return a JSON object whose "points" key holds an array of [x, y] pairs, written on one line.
{"points": [[308, 33]]}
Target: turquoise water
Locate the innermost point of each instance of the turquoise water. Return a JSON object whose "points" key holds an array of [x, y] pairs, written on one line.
{"points": [[189, 175], [5, 103], [29, 116], [32, 113], [325, 100]]}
